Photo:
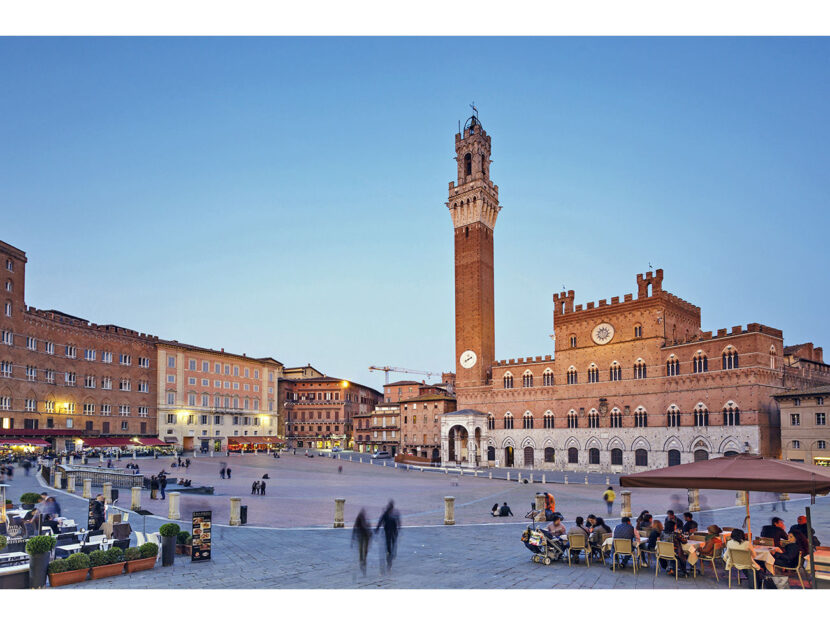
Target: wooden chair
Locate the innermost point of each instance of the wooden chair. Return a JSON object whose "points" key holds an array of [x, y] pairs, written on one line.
{"points": [[797, 568], [623, 547], [717, 553], [665, 551], [742, 561], [576, 543]]}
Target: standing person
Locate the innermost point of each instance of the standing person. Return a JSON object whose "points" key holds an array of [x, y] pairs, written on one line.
{"points": [[550, 507], [255, 487], [362, 533], [262, 487], [229, 473], [222, 472], [779, 497], [390, 520], [99, 512], [162, 484], [187, 464], [609, 496], [154, 486]]}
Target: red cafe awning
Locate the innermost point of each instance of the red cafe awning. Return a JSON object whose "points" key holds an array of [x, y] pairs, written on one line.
{"points": [[153, 442], [10, 441], [35, 442]]}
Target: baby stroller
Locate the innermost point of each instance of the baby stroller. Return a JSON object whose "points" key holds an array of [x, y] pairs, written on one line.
{"points": [[545, 548]]}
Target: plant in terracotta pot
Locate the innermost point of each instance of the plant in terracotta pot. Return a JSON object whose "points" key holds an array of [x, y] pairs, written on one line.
{"points": [[39, 549], [70, 570], [103, 566], [146, 558], [169, 532], [28, 500], [184, 543]]}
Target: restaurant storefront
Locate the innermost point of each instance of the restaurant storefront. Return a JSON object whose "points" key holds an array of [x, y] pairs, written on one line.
{"points": [[254, 443]]}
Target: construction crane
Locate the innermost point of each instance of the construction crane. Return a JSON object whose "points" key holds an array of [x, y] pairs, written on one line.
{"points": [[387, 369]]}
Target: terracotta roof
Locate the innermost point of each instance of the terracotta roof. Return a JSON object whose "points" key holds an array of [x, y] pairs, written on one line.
{"points": [[804, 392], [403, 383]]}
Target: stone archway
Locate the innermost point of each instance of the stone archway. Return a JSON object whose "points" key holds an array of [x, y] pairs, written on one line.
{"points": [[458, 439], [462, 435]]}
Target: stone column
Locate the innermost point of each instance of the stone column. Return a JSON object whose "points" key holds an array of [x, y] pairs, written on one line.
{"points": [[3, 501], [540, 507], [449, 510], [740, 498], [70, 483], [134, 456], [694, 500], [135, 503], [87, 489], [71, 459], [566, 479], [339, 510], [626, 503], [173, 506], [236, 503], [211, 453], [108, 492], [56, 478]]}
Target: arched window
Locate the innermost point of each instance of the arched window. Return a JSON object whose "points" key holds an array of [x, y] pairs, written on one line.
{"points": [[491, 422], [547, 377], [491, 453], [615, 372], [700, 364], [9, 286], [550, 454], [573, 340], [616, 418], [573, 455], [548, 417], [674, 457], [527, 379], [673, 417], [701, 454], [731, 414], [730, 358], [508, 380], [572, 375], [468, 164], [672, 366], [616, 456], [573, 421], [527, 420], [593, 418], [701, 416], [772, 357], [508, 421], [641, 458], [639, 369], [593, 456], [593, 374], [640, 418], [8, 309], [638, 331]]}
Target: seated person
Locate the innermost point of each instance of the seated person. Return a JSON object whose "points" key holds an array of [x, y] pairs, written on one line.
{"points": [[713, 541], [51, 522], [787, 556], [801, 526], [579, 528], [644, 522], [689, 523], [775, 530], [505, 510], [557, 527], [654, 533], [266, 477], [494, 511], [626, 531], [673, 534], [739, 542]]}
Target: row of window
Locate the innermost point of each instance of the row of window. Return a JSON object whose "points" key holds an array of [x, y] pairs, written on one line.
{"points": [[71, 351], [171, 379], [700, 364], [821, 419], [34, 424], [819, 444], [204, 419], [219, 401], [313, 396], [52, 407], [218, 368], [819, 401], [70, 378], [640, 456], [301, 428]]}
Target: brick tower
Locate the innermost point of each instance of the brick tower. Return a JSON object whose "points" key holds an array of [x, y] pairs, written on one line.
{"points": [[474, 207]]}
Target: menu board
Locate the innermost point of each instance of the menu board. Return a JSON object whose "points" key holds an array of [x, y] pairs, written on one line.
{"points": [[201, 535], [91, 519]]}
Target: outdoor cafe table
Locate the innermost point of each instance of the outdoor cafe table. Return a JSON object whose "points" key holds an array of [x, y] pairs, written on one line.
{"points": [[690, 547]]}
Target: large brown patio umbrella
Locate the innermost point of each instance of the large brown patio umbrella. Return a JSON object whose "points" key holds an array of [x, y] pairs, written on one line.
{"points": [[742, 472]]}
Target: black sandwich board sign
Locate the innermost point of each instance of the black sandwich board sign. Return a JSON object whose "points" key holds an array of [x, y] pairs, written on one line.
{"points": [[202, 529]]}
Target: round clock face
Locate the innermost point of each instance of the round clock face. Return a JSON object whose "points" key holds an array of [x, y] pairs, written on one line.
{"points": [[468, 359], [603, 333]]}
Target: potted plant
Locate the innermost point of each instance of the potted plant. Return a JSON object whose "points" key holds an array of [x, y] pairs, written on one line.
{"points": [[184, 543], [3, 542], [70, 570], [169, 532], [39, 549], [9, 504], [106, 564], [28, 500], [141, 558]]}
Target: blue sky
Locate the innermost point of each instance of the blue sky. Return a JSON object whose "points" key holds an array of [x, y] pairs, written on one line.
{"points": [[285, 197]]}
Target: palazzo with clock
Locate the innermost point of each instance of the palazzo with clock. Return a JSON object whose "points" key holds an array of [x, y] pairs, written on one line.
{"points": [[635, 383]]}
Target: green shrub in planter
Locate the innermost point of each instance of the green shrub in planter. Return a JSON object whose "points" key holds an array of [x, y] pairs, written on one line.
{"points": [[132, 553], [58, 566], [30, 498], [78, 561], [169, 529], [40, 544], [115, 555], [3, 542], [182, 538], [98, 558], [149, 550]]}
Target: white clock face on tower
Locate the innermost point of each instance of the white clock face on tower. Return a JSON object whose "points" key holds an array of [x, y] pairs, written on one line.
{"points": [[468, 359], [603, 333]]}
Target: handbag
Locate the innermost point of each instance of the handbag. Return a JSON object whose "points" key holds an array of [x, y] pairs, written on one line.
{"points": [[535, 539]]}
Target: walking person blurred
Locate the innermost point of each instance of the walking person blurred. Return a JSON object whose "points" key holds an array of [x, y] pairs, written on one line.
{"points": [[362, 533], [222, 471], [229, 472], [255, 487], [262, 487], [162, 484], [609, 496], [390, 520]]}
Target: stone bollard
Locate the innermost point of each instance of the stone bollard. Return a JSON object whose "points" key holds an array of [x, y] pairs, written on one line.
{"points": [[566, 479], [626, 503], [422, 469], [57, 477], [87, 489], [134, 457], [543, 479], [540, 507], [508, 476], [520, 478], [135, 502], [694, 500], [71, 460], [371, 461], [339, 510], [490, 475], [740, 498], [236, 503], [155, 456], [586, 478], [531, 477], [241, 452], [360, 460], [449, 510], [446, 471], [108, 492], [173, 507], [70, 483], [211, 453], [607, 480]]}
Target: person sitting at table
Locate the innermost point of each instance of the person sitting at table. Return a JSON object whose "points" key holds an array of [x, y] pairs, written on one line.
{"points": [[557, 527], [51, 522], [739, 542], [628, 532], [775, 530], [654, 532], [643, 521], [671, 517], [672, 534], [689, 523], [711, 542], [801, 526], [787, 556], [579, 528]]}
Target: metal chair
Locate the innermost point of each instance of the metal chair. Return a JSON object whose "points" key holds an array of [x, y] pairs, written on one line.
{"points": [[644, 551], [665, 551], [87, 549], [623, 547], [717, 553], [576, 543], [797, 568], [121, 544], [742, 561]]}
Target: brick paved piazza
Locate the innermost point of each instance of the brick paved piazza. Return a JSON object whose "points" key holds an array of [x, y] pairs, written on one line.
{"points": [[289, 542]]}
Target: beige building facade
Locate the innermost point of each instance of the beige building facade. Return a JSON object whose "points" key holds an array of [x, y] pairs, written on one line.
{"points": [[805, 434]]}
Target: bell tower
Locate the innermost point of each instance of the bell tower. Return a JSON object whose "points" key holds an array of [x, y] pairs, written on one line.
{"points": [[474, 207]]}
